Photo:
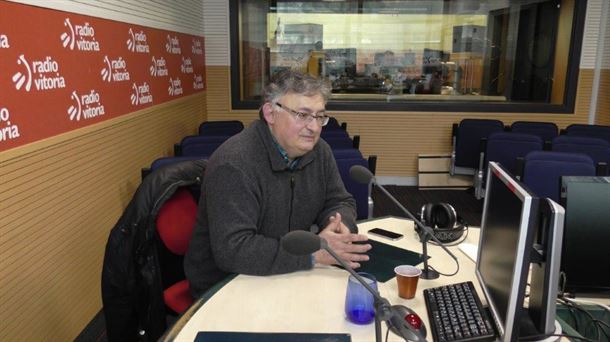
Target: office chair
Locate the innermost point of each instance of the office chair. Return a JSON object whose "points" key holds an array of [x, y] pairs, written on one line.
{"points": [[142, 261], [591, 131], [547, 131], [542, 171], [466, 141], [361, 192], [504, 148]]}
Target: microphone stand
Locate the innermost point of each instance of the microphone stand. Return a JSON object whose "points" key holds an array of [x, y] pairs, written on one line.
{"points": [[428, 233], [383, 310]]}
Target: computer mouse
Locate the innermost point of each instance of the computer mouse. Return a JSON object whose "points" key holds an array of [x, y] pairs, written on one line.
{"points": [[406, 323]]}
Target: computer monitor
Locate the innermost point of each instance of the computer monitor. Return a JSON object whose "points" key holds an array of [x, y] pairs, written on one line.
{"points": [[546, 259], [507, 232], [585, 260]]}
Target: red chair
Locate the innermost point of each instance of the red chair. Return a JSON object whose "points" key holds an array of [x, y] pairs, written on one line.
{"points": [[175, 223]]}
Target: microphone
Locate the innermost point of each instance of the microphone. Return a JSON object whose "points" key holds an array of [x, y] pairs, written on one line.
{"points": [[362, 175], [300, 242]]}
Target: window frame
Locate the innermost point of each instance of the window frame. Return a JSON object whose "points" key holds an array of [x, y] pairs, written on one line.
{"points": [[567, 107]]}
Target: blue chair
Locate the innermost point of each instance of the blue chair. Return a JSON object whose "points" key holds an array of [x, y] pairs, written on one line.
{"points": [[334, 124], [215, 140], [466, 142], [597, 149], [229, 127], [591, 131], [353, 153], [346, 153], [334, 133], [505, 148], [543, 170], [340, 142], [361, 192], [545, 130], [200, 149]]}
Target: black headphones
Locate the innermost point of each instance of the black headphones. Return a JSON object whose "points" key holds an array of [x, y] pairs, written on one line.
{"points": [[444, 221]]}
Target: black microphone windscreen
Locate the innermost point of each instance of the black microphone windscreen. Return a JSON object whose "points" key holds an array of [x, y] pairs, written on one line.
{"points": [[300, 242], [360, 174]]}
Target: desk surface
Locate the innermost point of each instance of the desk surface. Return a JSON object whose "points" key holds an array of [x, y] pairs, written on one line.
{"points": [[284, 303]]}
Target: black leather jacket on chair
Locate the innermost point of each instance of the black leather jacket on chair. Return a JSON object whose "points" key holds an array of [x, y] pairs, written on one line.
{"points": [[132, 290]]}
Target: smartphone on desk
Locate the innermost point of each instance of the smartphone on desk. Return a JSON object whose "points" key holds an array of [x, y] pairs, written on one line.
{"points": [[385, 234]]}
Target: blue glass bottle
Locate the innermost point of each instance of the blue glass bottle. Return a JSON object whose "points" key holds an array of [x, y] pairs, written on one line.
{"points": [[359, 302]]}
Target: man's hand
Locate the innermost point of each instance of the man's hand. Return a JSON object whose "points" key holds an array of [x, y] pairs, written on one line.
{"points": [[340, 240]]}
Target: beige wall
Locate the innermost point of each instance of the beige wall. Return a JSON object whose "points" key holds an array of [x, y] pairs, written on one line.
{"points": [[397, 137]]}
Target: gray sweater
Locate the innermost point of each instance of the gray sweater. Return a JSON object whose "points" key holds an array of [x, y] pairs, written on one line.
{"points": [[250, 199]]}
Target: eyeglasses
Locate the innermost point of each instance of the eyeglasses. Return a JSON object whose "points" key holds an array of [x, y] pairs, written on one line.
{"points": [[306, 118]]}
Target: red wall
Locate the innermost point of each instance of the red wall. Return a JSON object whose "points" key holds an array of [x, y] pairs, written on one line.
{"points": [[61, 71]]}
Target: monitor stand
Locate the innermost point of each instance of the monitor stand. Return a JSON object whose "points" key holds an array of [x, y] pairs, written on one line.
{"points": [[527, 328]]}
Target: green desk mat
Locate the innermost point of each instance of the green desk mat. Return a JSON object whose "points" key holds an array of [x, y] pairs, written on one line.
{"points": [[383, 258], [226, 336]]}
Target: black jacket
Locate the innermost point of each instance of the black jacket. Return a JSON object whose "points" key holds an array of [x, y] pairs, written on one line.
{"points": [[132, 290]]}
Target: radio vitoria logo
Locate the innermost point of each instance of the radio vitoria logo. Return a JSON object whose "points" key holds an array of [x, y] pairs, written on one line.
{"points": [[44, 74], [115, 70], [87, 106], [175, 87], [158, 67], [81, 36], [173, 45], [141, 94], [137, 42]]}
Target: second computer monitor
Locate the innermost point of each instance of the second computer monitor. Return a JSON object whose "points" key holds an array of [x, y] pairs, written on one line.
{"points": [[507, 231]]}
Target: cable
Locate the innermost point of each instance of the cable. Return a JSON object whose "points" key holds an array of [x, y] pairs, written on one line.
{"points": [[597, 324], [543, 336], [581, 301], [447, 275]]}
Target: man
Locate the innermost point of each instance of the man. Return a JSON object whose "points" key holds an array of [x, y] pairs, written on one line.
{"points": [[274, 177]]}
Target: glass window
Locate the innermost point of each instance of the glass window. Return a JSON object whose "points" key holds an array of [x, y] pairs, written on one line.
{"points": [[479, 55]]}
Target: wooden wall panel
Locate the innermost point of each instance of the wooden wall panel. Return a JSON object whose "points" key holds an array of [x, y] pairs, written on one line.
{"points": [[59, 199], [602, 116], [398, 137]]}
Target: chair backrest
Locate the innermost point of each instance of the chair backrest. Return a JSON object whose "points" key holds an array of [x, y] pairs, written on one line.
{"points": [[339, 142], [468, 140], [332, 124], [592, 131], [157, 163], [545, 130], [543, 170], [203, 139], [506, 147], [175, 221], [361, 192], [200, 149], [334, 133], [597, 149], [346, 153], [229, 127]]}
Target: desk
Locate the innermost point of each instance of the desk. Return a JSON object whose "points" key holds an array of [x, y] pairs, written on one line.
{"points": [[284, 303]]}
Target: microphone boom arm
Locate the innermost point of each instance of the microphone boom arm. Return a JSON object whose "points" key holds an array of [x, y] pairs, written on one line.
{"points": [[427, 230]]}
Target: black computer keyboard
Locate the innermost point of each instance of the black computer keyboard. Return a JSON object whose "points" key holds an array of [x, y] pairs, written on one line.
{"points": [[456, 314]]}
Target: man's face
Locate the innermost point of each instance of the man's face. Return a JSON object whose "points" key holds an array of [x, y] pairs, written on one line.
{"points": [[296, 137]]}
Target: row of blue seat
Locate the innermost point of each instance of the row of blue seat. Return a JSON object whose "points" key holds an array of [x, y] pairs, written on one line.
{"points": [[510, 148], [468, 134], [345, 149]]}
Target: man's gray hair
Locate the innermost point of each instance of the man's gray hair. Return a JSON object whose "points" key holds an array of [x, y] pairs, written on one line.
{"points": [[290, 81]]}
